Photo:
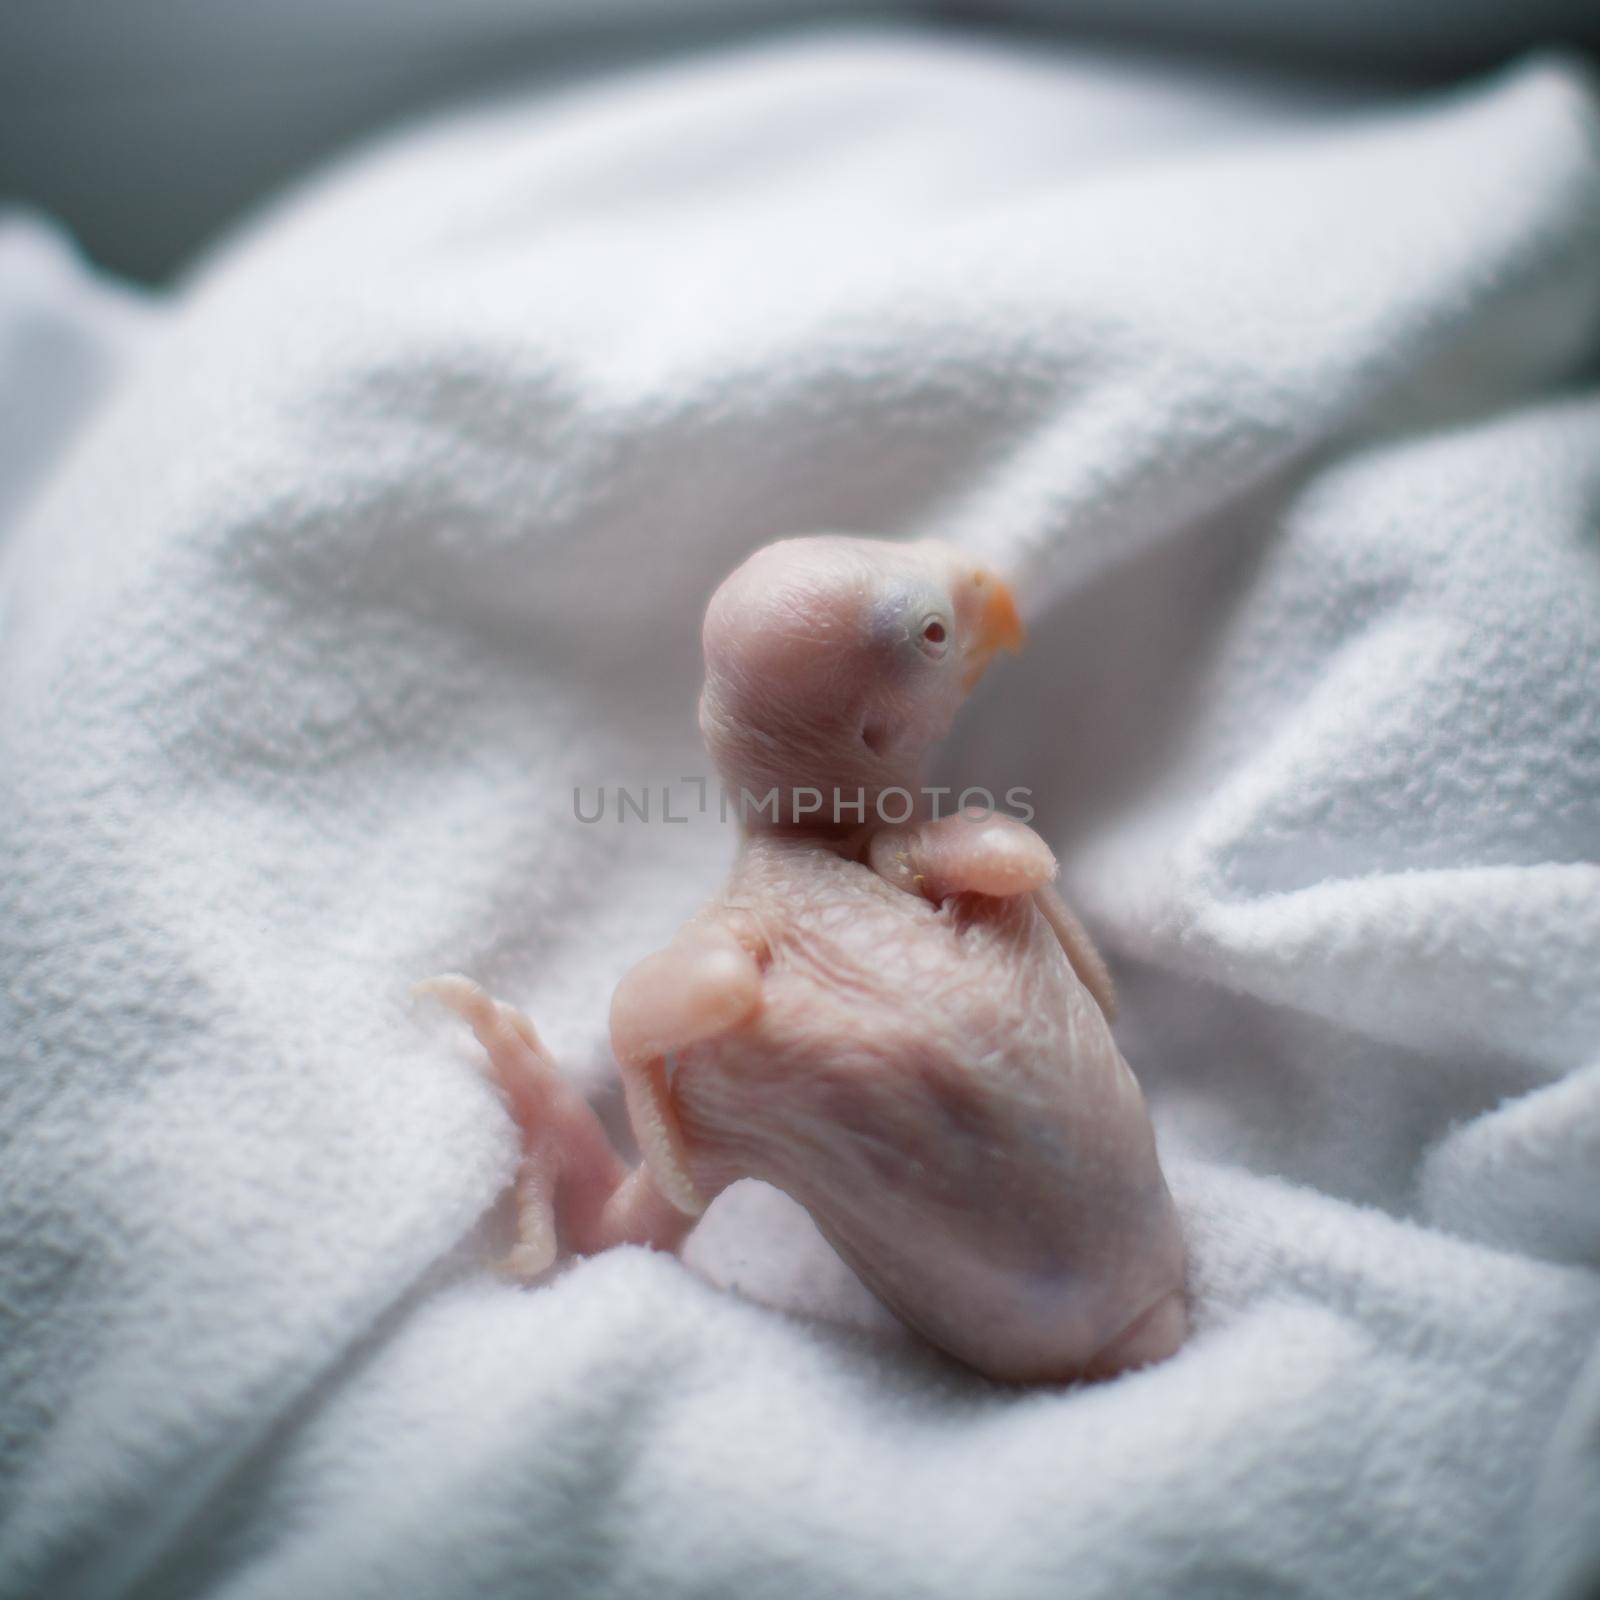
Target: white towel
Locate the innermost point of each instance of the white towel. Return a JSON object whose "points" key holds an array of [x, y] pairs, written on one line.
{"points": [[66, 335], [400, 529]]}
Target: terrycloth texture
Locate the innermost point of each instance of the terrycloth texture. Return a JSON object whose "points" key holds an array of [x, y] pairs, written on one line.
{"points": [[403, 528]]}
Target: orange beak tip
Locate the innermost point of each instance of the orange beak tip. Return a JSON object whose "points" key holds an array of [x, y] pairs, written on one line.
{"points": [[1001, 626]]}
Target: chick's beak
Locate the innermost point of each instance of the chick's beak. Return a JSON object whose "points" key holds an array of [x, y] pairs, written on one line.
{"points": [[998, 627]]}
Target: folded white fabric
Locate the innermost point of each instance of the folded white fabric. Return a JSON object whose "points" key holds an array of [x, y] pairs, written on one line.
{"points": [[65, 336], [402, 530]]}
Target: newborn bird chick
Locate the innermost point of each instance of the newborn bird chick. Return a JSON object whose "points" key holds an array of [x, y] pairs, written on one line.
{"points": [[900, 1025]]}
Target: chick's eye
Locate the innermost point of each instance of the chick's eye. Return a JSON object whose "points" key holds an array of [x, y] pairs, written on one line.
{"points": [[933, 635]]}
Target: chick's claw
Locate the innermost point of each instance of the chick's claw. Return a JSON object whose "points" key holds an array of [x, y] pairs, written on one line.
{"points": [[536, 1247], [574, 1193]]}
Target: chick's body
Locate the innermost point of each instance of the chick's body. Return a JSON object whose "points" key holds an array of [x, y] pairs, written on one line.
{"points": [[937, 1087], [902, 1026]]}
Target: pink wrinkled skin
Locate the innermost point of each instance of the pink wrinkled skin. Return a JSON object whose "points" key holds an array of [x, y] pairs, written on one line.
{"points": [[903, 1028]]}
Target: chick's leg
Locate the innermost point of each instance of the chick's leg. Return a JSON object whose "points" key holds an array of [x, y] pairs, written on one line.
{"points": [[706, 982], [972, 852], [984, 852], [1080, 949], [573, 1191]]}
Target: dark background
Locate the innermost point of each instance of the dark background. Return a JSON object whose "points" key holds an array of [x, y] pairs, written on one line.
{"points": [[146, 126]]}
